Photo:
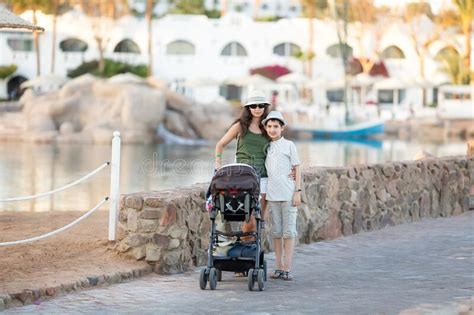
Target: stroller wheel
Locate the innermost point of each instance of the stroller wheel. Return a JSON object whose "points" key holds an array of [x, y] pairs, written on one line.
{"points": [[213, 278], [250, 279], [203, 279], [219, 275], [261, 279]]}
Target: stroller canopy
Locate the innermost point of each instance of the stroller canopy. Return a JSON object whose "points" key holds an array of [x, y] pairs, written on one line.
{"points": [[241, 177]]}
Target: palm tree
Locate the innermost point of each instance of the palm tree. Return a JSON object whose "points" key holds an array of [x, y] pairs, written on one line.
{"points": [[55, 8], [453, 67], [149, 17], [102, 15], [223, 7], [310, 10], [34, 5], [466, 11]]}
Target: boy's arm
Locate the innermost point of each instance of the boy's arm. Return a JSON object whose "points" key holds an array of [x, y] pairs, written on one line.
{"points": [[297, 193]]}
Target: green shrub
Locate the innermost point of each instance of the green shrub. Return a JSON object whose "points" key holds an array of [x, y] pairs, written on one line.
{"points": [[6, 71], [111, 68]]}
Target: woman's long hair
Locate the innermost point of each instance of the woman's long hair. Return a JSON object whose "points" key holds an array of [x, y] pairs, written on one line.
{"points": [[245, 120]]}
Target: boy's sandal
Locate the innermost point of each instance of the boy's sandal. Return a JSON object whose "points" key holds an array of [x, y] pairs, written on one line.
{"points": [[277, 274], [287, 275]]}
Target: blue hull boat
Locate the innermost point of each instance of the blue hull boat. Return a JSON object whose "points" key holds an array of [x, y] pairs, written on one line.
{"points": [[359, 130]]}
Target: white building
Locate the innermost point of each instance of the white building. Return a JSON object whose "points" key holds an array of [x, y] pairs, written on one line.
{"points": [[251, 8], [190, 46]]}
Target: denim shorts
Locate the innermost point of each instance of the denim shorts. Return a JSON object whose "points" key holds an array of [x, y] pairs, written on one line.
{"points": [[283, 219]]}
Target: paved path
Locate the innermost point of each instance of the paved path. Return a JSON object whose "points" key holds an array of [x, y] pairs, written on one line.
{"points": [[428, 265]]}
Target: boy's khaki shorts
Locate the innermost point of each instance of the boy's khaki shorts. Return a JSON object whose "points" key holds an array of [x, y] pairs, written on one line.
{"points": [[283, 219]]}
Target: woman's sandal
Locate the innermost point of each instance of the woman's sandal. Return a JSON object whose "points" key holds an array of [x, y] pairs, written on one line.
{"points": [[277, 274], [287, 275]]}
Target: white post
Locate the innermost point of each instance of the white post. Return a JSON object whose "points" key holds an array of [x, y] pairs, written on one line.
{"points": [[114, 186]]}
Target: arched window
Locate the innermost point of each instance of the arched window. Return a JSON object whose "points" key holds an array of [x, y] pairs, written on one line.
{"points": [[287, 50], [127, 46], [20, 44], [335, 51], [180, 47], [447, 53], [73, 45], [393, 52], [234, 49]]}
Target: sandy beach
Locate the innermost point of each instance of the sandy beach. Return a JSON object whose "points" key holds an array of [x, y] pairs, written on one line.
{"points": [[70, 256]]}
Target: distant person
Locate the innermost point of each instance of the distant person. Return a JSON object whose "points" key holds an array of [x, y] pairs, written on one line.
{"points": [[274, 101], [283, 193]]}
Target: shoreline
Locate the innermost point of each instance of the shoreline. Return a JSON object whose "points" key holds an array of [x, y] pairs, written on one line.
{"points": [[37, 271]]}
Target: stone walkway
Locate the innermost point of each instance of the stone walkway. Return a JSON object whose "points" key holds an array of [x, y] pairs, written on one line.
{"points": [[420, 268]]}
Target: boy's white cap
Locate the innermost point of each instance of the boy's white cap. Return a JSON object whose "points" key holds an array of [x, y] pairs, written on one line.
{"points": [[274, 115], [256, 97]]}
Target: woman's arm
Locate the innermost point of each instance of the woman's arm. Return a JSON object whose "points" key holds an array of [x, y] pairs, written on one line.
{"points": [[231, 134]]}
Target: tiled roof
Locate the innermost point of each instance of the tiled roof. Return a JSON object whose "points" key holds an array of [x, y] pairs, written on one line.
{"points": [[10, 20]]}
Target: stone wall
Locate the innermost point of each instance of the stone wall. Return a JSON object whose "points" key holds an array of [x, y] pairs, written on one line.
{"points": [[170, 228]]}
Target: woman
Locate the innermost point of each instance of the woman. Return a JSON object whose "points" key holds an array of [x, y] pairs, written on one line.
{"points": [[252, 142]]}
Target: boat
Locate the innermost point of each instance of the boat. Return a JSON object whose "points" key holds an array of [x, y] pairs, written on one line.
{"points": [[356, 130]]}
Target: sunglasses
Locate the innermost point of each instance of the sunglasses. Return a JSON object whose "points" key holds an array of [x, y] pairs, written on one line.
{"points": [[254, 106]]}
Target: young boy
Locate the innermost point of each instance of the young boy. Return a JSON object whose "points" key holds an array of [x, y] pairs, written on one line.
{"points": [[283, 193]]}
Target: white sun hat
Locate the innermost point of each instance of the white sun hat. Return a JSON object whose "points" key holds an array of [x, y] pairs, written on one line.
{"points": [[257, 97], [274, 115]]}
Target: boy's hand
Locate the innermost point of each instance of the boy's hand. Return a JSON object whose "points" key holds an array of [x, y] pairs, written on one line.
{"points": [[292, 174], [296, 198]]}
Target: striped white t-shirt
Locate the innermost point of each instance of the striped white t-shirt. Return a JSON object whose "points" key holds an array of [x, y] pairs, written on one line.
{"points": [[281, 157]]}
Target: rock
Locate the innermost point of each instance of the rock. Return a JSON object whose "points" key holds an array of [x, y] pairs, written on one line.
{"points": [[51, 291], [161, 240], [145, 225], [135, 202], [178, 125], [26, 296], [66, 128], [174, 243], [142, 107], [154, 202], [153, 252], [93, 281], [135, 240], [139, 252], [151, 213], [421, 155], [96, 108], [132, 220]]}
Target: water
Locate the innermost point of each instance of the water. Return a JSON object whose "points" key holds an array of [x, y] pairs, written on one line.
{"points": [[27, 169]]}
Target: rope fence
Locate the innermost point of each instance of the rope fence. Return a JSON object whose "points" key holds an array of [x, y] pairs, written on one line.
{"points": [[113, 197], [85, 215], [97, 170]]}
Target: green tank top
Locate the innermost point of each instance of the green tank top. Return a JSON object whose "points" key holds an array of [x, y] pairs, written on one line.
{"points": [[252, 150]]}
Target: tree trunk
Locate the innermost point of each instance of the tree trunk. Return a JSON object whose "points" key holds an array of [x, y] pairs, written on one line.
{"points": [[223, 7], [467, 56], [53, 40], [100, 48], [36, 42], [311, 14], [149, 15], [256, 8], [421, 59]]}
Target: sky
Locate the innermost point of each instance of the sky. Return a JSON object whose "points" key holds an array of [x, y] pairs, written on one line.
{"points": [[435, 4]]}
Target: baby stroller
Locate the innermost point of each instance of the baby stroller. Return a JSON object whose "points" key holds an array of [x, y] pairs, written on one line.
{"points": [[234, 194]]}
